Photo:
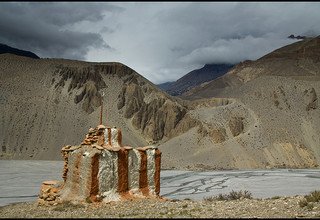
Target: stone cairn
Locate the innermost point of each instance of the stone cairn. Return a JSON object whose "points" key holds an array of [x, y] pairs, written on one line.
{"points": [[100, 169]]}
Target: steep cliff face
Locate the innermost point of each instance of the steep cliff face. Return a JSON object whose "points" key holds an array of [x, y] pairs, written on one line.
{"points": [[90, 81], [152, 112]]}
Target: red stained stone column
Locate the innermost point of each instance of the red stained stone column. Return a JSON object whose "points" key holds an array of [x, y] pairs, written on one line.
{"points": [[101, 140], [123, 184], [157, 171], [143, 178], [120, 137], [109, 136], [94, 189], [65, 166], [76, 174]]}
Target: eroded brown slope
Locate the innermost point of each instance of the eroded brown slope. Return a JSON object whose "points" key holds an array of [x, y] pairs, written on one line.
{"points": [[267, 116], [271, 117], [48, 103]]}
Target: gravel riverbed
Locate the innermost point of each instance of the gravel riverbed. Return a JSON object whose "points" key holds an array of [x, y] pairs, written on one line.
{"points": [[277, 207]]}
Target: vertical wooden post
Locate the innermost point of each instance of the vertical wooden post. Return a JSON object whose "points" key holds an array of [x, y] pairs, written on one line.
{"points": [[101, 109], [107, 115]]}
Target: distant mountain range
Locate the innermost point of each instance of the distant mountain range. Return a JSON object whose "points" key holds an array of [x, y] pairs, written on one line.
{"points": [[260, 114], [194, 78], [297, 37], [6, 49], [165, 86]]}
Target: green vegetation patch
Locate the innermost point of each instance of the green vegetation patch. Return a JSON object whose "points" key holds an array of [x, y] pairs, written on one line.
{"points": [[309, 200]]}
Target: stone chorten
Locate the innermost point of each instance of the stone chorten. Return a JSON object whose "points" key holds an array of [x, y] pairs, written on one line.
{"points": [[102, 169]]}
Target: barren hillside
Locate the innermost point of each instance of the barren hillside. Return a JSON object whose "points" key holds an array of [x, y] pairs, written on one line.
{"points": [[48, 103], [270, 114], [261, 114]]}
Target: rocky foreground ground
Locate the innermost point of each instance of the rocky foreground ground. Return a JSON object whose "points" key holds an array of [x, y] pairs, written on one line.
{"points": [[276, 207]]}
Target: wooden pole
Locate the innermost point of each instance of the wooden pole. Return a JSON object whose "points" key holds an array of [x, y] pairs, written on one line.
{"points": [[101, 109], [107, 115]]}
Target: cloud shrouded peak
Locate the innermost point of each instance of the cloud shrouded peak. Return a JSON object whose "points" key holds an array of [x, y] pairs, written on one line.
{"points": [[164, 41]]}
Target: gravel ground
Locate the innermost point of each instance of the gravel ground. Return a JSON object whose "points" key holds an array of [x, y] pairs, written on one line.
{"points": [[280, 207]]}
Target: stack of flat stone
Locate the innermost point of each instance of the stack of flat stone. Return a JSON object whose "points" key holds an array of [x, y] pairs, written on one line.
{"points": [[95, 135]]}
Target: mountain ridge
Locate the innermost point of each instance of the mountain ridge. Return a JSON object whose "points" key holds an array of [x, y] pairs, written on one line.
{"points": [[195, 77], [293, 58], [11, 50], [265, 115]]}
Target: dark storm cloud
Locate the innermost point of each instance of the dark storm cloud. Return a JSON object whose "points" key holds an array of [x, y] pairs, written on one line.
{"points": [[164, 41], [47, 28], [232, 32]]}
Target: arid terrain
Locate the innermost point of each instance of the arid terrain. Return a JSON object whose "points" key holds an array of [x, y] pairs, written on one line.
{"points": [[266, 113], [277, 207], [261, 114]]}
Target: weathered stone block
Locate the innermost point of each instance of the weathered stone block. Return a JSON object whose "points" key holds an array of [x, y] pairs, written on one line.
{"points": [[106, 171]]}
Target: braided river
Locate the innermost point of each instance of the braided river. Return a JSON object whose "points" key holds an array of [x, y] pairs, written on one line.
{"points": [[20, 181]]}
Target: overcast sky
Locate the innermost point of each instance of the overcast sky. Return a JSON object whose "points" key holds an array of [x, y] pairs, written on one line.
{"points": [[162, 41]]}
